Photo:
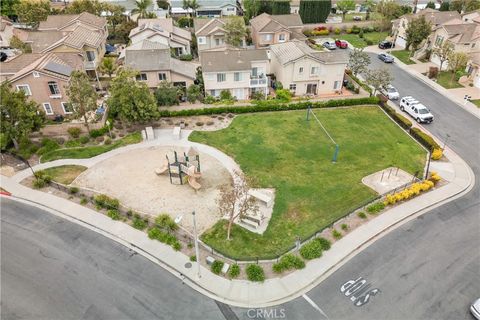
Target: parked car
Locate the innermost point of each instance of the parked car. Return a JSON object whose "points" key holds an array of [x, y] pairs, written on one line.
{"points": [[357, 18], [390, 92], [386, 44], [416, 110], [330, 45], [342, 44], [475, 309], [386, 57]]}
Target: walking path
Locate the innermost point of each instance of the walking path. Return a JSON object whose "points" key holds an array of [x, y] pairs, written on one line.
{"points": [[241, 293]]}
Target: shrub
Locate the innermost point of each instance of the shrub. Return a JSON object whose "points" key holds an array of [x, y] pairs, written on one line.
{"points": [[338, 31], [166, 223], [360, 34], [199, 123], [362, 215], [47, 146], [108, 141], [209, 99], [437, 154], [344, 227], [369, 42], [336, 234], [257, 95], [83, 201], [104, 201], [375, 207], [95, 133], [398, 118], [226, 95], [157, 234], [311, 250], [325, 243], [100, 139], [348, 30], [434, 177], [177, 246], [185, 57], [73, 190], [217, 266], [184, 22], [74, 132], [234, 271], [424, 139], [193, 258], [114, 214], [39, 183], [283, 95], [210, 123], [139, 223], [255, 273], [84, 139], [287, 262]]}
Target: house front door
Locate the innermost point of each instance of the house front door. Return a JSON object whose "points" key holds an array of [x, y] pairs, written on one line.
{"points": [[239, 94], [312, 88]]}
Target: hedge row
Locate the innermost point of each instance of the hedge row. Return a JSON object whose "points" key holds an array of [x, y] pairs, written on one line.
{"points": [[265, 106], [360, 82], [424, 139], [401, 120]]}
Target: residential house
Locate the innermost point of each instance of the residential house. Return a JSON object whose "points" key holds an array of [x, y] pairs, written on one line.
{"points": [[306, 71], [154, 63], [44, 78], [6, 31], [240, 71], [473, 69], [271, 29], [207, 8], [295, 5], [210, 33], [435, 17], [162, 30]]}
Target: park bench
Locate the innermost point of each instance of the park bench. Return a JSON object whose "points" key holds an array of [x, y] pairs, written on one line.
{"points": [[262, 197], [225, 268]]}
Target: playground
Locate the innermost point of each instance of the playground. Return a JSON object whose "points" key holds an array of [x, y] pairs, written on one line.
{"points": [[315, 182]]}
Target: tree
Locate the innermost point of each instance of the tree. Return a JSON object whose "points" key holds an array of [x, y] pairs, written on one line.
{"points": [[7, 8], [115, 14], [234, 201], [79, 6], [430, 5], [199, 80], [123, 30], [314, 11], [378, 78], [167, 94], [344, 6], [281, 7], [457, 61], [464, 6], [31, 12], [142, 8], [254, 8], [131, 100], [443, 51], [81, 95], [445, 6], [235, 31], [194, 93], [390, 10], [163, 4], [108, 66], [16, 43], [369, 5], [18, 115], [192, 5], [418, 30], [358, 61]]}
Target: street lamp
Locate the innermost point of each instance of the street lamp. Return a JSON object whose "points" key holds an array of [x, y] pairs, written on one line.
{"points": [[178, 219]]}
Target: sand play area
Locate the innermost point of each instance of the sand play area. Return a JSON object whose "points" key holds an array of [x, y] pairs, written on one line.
{"points": [[130, 177]]}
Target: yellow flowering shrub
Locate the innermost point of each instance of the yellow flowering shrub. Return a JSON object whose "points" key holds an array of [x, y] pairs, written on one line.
{"points": [[437, 154], [410, 192], [434, 177]]}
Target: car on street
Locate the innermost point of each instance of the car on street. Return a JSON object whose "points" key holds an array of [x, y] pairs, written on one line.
{"points": [[416, 110], [390, 92], [475, 309], [386, 44], [342, 44], [330, 45], [386, 57]]}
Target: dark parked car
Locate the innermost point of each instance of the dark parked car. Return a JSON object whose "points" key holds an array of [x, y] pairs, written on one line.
{"points": [[342, 44], [386, 44], [386, 58]]}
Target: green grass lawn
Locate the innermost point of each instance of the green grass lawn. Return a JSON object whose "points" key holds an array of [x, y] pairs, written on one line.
{"points": [[476, 102], [357, 42], [92, 151], [402, 55], [444, 79], [283, 151], [64, 174]]}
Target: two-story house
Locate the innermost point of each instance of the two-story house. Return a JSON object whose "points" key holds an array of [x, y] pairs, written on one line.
{"points": [[210, 33], [162, 30], [272, 29], [6, 31], [306, 71], [44, 78], [154, 63], [242, 72], [207, 8]]}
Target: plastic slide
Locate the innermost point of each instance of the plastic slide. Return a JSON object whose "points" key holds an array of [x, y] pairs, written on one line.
{"points": [[194, 183], [191, 172], [163, 169]]}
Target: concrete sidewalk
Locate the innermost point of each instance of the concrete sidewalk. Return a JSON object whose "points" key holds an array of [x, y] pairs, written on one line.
{"points": [[240, 292]]}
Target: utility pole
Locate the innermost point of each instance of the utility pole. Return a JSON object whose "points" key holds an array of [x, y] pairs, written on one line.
{"points": [[197, 253]]}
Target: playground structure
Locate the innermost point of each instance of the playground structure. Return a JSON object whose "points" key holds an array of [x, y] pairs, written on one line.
{"points": [[183, 169]]}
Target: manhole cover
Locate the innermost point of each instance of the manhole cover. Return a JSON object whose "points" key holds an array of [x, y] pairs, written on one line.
{"points": [[188, 265]]}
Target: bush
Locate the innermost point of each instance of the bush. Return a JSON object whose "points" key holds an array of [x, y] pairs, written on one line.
{"points": [[375, 207], [177, 246], [283, 95], [234, 271], [73, 190], [336, 234], [398, 118], [84, 139], [255, 273], [83, 201], [157, 234], [362, 215], [39, 183], [226, 95], [360, 34], [209, 99], [325, 243], [437, 154], [424, 139], [114, 214], [338, 31], [344, 227], [193, 258], [287, 262], [217, 266], [108, 141], [100, 139], [185, 57], [257, 95], [199, 123], [104, 201], [369, 42], [184, 22], [139, 223], [47, 146], [311, 250], [166, 223], [74, 132]]}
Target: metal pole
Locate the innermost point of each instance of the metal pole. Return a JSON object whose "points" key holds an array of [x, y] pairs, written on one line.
{"points": [[335, 155], [308, 113], [197, 254], [445, 142], [428, 163]]}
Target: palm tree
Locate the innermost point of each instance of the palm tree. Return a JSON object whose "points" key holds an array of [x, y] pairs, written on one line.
{"points": [[191, 4], [142, 8]]}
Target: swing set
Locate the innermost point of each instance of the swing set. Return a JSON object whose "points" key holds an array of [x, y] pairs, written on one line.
{"points": [[335, 154]]}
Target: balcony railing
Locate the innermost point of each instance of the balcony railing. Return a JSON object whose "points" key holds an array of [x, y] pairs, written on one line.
{"points": [[258, 82], [89, 65]]}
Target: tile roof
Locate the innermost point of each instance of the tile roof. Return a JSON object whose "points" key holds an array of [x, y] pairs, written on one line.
{"points": [[270, 23], [41, 40], [162, 26], [435, 17], [57, 22], [82, 36], [204, 27], [18, 63], [231, 60], [462, 33], [292, 50]]}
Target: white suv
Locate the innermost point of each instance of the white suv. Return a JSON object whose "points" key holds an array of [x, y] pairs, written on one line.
{"points": [[416, 110]]}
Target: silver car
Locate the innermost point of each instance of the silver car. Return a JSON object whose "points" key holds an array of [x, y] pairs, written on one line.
{"points": [[330, 45], [475, 309], [390, 92]]}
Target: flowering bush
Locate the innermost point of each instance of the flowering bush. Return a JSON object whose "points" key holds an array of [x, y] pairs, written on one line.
{"points": [[412, 191], [434, 177], [437, 154]]}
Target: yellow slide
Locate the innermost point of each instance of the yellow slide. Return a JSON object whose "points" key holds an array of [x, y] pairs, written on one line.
{"points": [[163, 169], [194, 183]]}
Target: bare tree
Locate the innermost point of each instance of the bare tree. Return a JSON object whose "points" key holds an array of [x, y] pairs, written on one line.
{"points": [[358, 61], [378, 78], [443, 52], [234, 201]]}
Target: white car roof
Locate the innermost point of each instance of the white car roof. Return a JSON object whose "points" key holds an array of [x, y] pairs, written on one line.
{"points": [[419, 106]]}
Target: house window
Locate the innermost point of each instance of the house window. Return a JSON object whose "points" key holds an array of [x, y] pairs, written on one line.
{"points": [[300, 70], [54, 89], [218, 41], [36, 74], [161, 76], [90, 56], [254, 72], [141, 77], [25, 88], [336, 85], [221, 77], [267, 37], [312, 88], [48, 108], [314, 71], [67, 107], [293, 87], [438, 41], [281, 37], [212, 93], [230, 9], [237, 76], [202, 40], [178, 51]]}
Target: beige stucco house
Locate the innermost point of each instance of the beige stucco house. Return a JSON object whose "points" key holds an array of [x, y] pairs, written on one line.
{"points": [[154, 63], [306, 71], [272, 29], [6, 31], [242, 72], [210, 33], [44, 78], [162, 30]]}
